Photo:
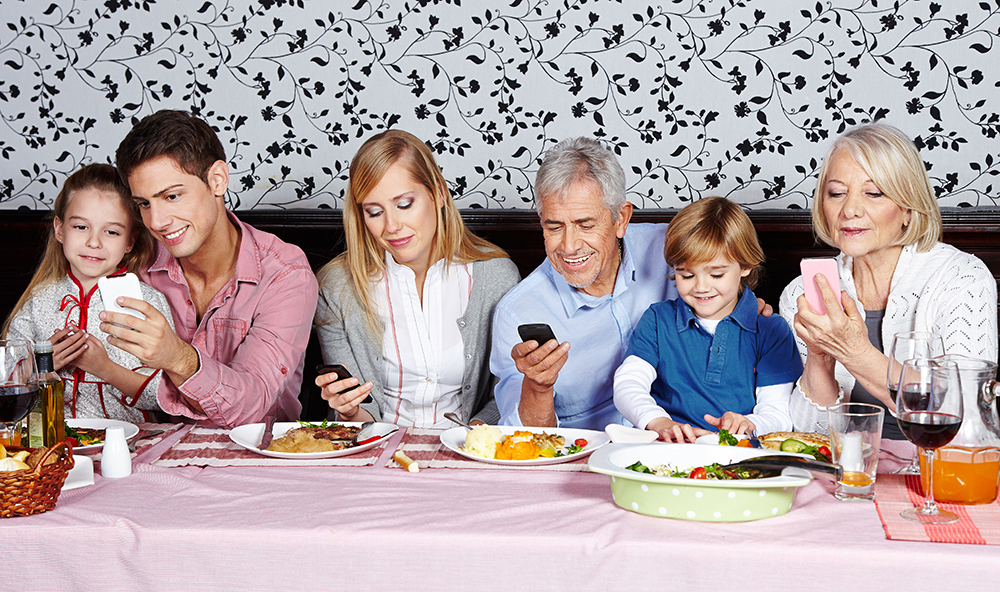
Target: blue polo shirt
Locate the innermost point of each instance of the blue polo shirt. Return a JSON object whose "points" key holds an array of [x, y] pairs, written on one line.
{"points": [[698, 373], [598, 330]]}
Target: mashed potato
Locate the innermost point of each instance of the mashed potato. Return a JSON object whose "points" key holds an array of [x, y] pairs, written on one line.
{"points": [[482, 441]]}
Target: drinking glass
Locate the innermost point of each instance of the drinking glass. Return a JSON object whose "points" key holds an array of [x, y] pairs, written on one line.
{"points": [[929, 411], [910, 345], [18, 381]]}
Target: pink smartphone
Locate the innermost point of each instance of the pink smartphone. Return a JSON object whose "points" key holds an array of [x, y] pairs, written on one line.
{"points": [[820, 266]]}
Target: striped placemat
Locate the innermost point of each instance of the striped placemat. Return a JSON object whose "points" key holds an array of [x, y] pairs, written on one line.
{"points": [[150, 434], [211, 447], [424, 446], [977, 525]]}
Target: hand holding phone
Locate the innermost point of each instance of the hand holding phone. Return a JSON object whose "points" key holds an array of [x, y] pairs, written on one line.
{"points": [[124, 285], [826, 267], [539, 332], [342, 374]]}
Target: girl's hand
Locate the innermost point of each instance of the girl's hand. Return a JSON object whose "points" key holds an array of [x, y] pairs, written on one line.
{"points": [[67, 345], [672, 431], [735, 423], [342, 399], [93, 358]]}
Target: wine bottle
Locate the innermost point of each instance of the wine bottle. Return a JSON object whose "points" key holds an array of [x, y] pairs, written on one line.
{"points": [[50, 397]]}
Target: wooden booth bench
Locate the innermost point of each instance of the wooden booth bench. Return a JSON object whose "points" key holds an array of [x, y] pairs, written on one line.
{"points": [[786, 237]]}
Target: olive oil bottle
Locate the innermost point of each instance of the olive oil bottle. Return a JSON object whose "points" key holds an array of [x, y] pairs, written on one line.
{"points": [[46, 423]]}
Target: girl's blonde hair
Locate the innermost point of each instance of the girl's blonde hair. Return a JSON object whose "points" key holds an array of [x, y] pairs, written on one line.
{"points": [[711, 227], [53, 266], [892, 162], [364, 258]]}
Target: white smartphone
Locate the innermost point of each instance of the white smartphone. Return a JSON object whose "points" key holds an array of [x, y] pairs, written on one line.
{"points": [[124, 285], [826, 267]]}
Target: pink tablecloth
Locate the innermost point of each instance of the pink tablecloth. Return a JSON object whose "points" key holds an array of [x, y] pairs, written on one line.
{"points": [[373, 528]]}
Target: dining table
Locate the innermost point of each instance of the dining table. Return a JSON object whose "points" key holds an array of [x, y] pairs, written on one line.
{"points": [[481, 528]]}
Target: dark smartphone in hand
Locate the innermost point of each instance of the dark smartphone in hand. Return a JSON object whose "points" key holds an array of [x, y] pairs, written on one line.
{"points": [[540, 332], [342, 373]]}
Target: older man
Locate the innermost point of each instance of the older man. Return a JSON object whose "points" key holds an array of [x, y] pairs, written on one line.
{"points": [[599, 278], [242, 299]]}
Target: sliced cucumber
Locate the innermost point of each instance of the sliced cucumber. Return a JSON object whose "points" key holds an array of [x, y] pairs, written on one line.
{"points": [[793, 445]]}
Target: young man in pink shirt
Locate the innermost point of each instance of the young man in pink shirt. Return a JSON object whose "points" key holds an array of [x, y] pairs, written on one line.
{"points": [[242, 299]]}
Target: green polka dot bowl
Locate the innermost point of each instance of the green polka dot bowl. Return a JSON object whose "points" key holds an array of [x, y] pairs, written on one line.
{"points": [[693, 499]]}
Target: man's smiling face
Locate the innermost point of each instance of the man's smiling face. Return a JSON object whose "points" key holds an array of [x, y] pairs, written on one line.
{"points": [[581, 238]]}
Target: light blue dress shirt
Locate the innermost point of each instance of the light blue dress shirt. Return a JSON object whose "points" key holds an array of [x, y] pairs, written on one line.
{"points": [[598, 330]]}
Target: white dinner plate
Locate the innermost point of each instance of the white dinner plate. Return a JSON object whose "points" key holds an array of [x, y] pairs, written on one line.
{"points": [[248, 436], [131, 430], [455, 437]]}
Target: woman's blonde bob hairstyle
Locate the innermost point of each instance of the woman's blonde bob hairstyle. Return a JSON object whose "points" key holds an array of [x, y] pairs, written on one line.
{"points": [[364, 257], [713, 227], [892, 162]]}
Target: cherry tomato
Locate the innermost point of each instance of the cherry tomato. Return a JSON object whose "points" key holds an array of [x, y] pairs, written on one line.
{"points": [[824, 451], [72, 442], [581, 442], [698, 473]]}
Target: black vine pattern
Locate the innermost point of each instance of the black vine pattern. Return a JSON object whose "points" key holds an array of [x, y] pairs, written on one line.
{"points": [[697, 97]]}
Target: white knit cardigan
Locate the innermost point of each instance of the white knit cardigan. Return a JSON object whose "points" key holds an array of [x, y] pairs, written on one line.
{"points": [[943, 290]]}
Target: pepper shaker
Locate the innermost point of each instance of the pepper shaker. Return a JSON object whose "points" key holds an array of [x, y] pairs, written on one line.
{"points": [[116, 461]]}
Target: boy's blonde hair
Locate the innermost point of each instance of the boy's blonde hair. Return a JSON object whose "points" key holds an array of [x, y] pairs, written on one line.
{"points": [[711, 227]]}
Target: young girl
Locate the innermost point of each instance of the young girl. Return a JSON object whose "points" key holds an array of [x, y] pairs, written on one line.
{"points": [[96, 231], [708, 361]]}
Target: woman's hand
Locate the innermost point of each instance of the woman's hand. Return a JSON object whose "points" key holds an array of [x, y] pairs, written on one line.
{"points": [[672, 431], [734, 423], [343, 397], [840, 334]]}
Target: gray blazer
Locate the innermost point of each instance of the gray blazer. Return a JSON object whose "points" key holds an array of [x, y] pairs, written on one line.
{"points": [[344, 336]]}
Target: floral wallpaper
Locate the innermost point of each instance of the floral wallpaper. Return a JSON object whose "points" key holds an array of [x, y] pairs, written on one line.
{"points": [[697, 97]]}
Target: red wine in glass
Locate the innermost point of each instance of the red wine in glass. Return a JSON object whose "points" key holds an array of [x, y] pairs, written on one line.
{"points": [[16, 401], [929, 430]]}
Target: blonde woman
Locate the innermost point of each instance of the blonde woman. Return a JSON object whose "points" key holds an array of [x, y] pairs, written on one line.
{"points": [[407, 308], [875, 204]]}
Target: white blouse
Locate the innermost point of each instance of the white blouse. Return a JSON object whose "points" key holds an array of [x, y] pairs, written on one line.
{"points": [[943, 290], [422, 350]]}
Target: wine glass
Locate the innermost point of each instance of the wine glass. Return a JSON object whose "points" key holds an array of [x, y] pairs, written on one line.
{"points": [[910, 345], [18, 382], [929, 411]]}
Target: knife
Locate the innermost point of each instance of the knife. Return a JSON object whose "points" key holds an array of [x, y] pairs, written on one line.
{"points": [[265, 440]]}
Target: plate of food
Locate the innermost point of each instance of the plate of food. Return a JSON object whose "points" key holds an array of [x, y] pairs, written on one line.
{"points": [[518, 446], [89, 433], [724, 438], [304, 440], [805, 443]]}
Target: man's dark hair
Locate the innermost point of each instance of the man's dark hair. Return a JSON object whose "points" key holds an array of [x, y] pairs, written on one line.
{"points": [[187, 139]]}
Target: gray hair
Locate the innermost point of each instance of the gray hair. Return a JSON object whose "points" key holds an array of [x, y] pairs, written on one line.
{"points": [[581, 159]]}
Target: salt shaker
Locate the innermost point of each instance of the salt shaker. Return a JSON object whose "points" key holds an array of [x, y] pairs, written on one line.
{"points": [[116, 461]]}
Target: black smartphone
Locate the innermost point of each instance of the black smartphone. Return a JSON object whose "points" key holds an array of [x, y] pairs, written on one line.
{"points": [[540, 332], [342, 373]]}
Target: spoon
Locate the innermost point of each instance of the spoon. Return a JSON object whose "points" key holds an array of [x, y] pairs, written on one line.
{"points": [[455, 418]]}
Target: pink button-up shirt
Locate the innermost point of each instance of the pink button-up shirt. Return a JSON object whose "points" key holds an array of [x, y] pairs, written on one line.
{"points": [[252, 339]]}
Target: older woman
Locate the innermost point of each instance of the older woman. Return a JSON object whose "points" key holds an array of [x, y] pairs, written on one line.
{"points": [[875, 203], [407, 307]]}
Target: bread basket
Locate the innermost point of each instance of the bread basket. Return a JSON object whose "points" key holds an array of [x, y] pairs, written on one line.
{"points": [[32, 491]]}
